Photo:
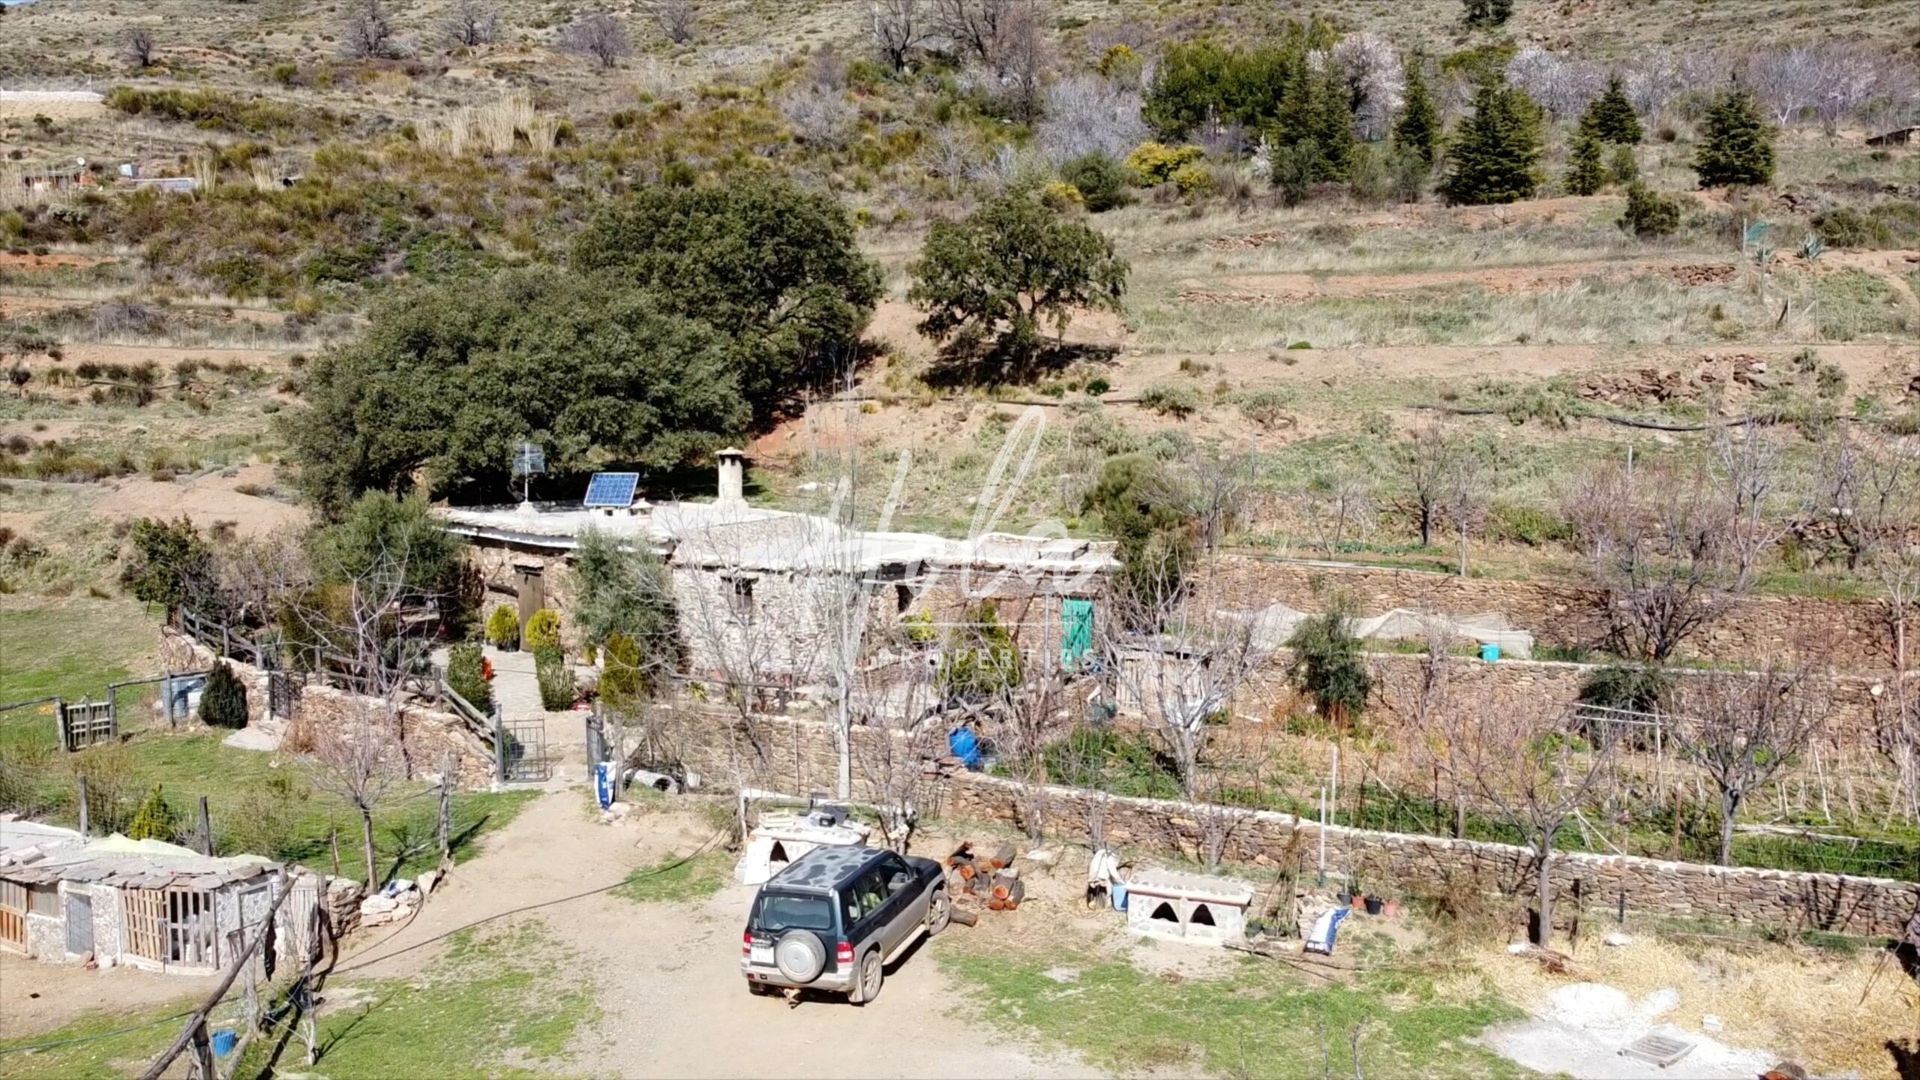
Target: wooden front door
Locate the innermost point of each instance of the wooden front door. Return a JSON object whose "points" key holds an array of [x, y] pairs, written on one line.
{"points": [[530, 585]]}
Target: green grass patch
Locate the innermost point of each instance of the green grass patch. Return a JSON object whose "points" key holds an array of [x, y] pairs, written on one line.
{"points": [[674, 881], [1259, 1018], [109, 1052], [509, 1002], [74, 649]]}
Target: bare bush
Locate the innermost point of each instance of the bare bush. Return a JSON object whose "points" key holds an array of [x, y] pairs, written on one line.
{"points": [[677, 19], [899, 27], [1021, 60], [973, 28], [820, 116], [1427, 459], [1090, 114], [366, 33], [1747, 458], [1339, 502], [599, 36], [1866, 494], [1562, 87], [469, 24], [139, 49]]}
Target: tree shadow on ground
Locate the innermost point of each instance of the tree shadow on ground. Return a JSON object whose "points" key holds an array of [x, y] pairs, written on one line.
{"points": [[960, 366]]}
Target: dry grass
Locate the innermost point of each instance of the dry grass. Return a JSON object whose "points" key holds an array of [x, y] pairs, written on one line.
{"points": [[1803, 1004]]}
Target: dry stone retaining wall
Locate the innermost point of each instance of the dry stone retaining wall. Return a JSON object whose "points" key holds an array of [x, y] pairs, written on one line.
{"points": [[1851, 636], [804, 762]]}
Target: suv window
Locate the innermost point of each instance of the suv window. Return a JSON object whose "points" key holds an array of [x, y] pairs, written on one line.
{"points": [[777, 912], [896, 873], [866, 893]]}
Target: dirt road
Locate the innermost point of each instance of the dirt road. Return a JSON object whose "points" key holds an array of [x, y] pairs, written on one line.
{"points": [[666, 977]]}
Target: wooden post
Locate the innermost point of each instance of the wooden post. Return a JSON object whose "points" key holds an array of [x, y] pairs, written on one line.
{"points": [[446, 810], [81, 781], [206, 828], [333, 845], [60, 724], [499, 745], [202, 1052]]}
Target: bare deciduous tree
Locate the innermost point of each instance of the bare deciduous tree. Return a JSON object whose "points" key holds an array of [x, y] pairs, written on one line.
{"points": [[470, 23], [366, 33], [1428, 459], [973, 27], [899, 27], [354, 759], [598, 35], [1213, 487], [1866, 493], [1659, 561], [1339, 502], [677, 19], [1021, 61], [1464, 499], [1742, 728], [1527, 766], [1748, 461], [1562, 87], [139, 50], [1181, 670]]}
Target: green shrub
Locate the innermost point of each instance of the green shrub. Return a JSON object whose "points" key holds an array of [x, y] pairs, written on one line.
{"points": [[1584, 174], [1634, 687], [1268, 408], [555, 679], [155, 820], [223, 701], [1124, 763], [1328, 665], [1527, 525], [503, 628], [466, 674], [1845, 227], [1101, 181], [1155, 163], [543, 631], [1059, 196], [978, 659], [1169, 399], [1649, 213], [1623, 168], [624, 679], [1193, 178]]}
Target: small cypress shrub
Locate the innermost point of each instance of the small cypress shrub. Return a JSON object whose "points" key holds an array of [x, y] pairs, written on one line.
{"points": [[466, 673], [1736, 143], [223, 701], [1101, 181], [1417, 131], [1649, 213], [555, 679], [155, 820], [543, 631], [503, 628], [1624, 168], [1584, 175]]}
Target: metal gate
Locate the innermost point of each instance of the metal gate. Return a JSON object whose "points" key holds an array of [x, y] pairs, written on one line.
{"points": [[79, 924], [526, 751]]}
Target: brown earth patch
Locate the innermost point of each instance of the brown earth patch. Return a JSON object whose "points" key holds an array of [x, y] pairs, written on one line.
{"points": [[1272, 288]]}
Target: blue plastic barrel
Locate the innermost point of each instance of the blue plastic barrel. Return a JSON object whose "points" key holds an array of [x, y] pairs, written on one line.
{"points": [[965, 746], [1489, 651], [224, 1041], [1118, 891]]}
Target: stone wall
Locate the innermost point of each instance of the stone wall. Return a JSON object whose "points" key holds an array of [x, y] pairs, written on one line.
{"points": [[1855, 712], [1850, 636], [428, 733], [805, 761]]}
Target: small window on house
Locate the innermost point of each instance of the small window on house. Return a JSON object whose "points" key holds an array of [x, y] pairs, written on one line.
{"points": [[43, 899], [740, 596]]}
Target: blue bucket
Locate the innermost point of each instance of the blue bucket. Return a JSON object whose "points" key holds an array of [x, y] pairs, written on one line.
{"points": [[224, 1041], [1118, 893], [1489, 652]]}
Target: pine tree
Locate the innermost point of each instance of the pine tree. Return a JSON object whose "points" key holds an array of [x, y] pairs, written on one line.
{"points": [[1611, 118], [1584, 175], [1495, 157], [1736, 143], [1417, 131], [155, 820], [1332, 123]]}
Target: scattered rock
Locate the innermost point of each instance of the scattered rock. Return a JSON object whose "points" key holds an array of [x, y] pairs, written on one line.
{"points": [[378, 905], [1618, 940], [427, 881]]}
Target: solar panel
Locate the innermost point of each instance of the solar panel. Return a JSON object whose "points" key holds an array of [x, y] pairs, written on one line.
{"points": [[611, 489]]}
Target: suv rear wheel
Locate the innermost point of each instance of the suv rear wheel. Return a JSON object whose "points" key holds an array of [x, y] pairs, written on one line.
{"points": [[867, 986], [939, 910]]}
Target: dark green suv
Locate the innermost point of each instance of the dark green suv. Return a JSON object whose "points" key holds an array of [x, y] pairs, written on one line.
{"points": [[832, 919]]}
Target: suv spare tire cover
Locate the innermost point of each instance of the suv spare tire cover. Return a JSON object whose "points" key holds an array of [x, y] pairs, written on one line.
{"points": [[800, 955]]}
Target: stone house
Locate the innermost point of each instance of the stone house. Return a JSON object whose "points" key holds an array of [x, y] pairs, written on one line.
{"points": [[767, 591], [143, 903]]}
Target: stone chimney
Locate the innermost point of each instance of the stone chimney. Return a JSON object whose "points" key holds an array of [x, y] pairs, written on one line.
{"points": [[733, 477]]}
